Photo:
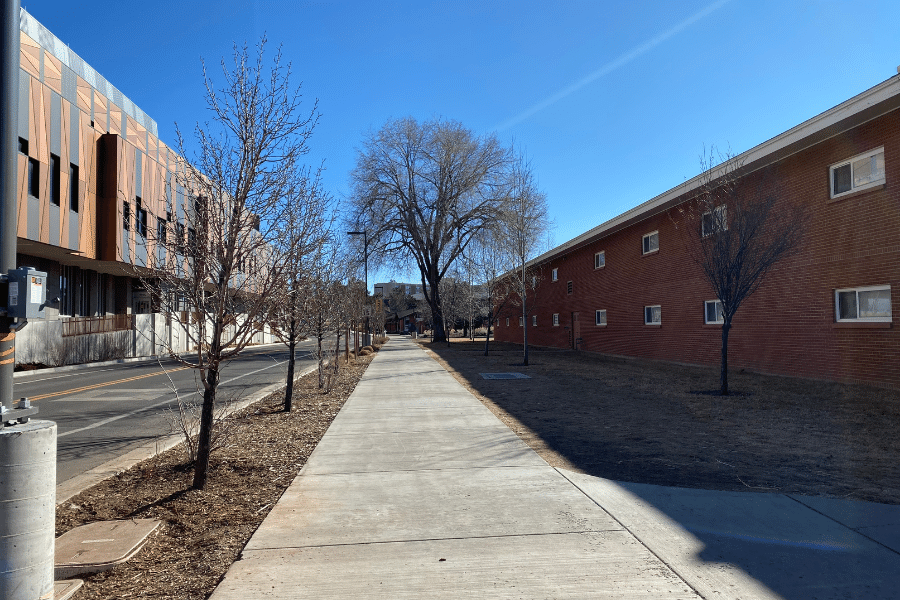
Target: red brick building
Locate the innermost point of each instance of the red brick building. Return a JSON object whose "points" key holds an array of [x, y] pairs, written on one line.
{"points": [[630, 287]]}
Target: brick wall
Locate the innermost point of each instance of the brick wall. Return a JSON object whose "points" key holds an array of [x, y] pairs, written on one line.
{"points": [[788, 326]]}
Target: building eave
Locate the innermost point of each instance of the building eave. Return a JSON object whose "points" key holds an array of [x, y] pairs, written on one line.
{"points": [[870, 104]]}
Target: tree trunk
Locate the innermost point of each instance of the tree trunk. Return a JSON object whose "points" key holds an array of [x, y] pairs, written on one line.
{"points": [[289, 388], [321, 362], [437, 315], [726, 327], [337, 351], [204, 441], [487, 339]]}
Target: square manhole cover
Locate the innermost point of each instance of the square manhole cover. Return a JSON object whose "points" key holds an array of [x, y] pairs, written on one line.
{"points": [[504, 376]]}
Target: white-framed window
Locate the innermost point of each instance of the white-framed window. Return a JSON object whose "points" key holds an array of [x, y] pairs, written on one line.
{"points": [[533, 281], [600, 318], [651, 242], [521, 321], [507, 321], [554, 275], [600, 259], [712, 312], [714, 221], [653, 315], [556, 319], [861, 172], [534, 320], [871, 303]]}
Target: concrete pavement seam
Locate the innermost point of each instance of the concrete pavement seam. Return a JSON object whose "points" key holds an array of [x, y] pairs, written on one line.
{"points": [[640, 541], [841, 524], [74, 486]]}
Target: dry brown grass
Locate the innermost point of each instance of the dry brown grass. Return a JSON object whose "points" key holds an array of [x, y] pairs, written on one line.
{"points": [[658, 423]]}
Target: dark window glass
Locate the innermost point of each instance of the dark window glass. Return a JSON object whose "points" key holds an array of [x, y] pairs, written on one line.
{"points": [[161, 231], [126, 217], [73, 188], [141, 222], [842, 179], [54, 179], [23, 146], [34, 178]]}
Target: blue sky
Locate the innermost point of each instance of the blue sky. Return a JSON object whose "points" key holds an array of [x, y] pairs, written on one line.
{"points": [[613, 102]]}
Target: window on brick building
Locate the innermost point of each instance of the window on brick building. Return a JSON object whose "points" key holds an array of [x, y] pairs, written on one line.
{"points": [[556, 320], [600, 260], [554, 274], [714, 221], [712, 310], [871, 303], [861, 172], [521, 321], [653, 315], [507, 321], [534, 320], [600, 317], [569, 287], [651, 242]]}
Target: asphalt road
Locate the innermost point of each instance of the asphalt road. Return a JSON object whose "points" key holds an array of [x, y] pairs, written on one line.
{"points": [[103, 412]]}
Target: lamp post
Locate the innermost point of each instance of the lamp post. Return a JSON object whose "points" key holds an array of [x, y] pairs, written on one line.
{"points": [[367, 341]]}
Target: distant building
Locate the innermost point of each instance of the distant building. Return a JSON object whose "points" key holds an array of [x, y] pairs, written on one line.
{"points": [[411, 289]]}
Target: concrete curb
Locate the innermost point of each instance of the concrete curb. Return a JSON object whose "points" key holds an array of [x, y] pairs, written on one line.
{"points": [[74, 486], [107, 363]]}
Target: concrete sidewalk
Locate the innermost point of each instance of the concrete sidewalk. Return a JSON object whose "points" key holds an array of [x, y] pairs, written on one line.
{"points": [[418, 491]]}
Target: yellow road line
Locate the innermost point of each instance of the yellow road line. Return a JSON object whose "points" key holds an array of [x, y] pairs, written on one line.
{"points": [[100, 385]]}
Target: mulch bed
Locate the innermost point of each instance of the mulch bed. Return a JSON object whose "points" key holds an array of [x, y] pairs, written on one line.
{"points": [[650, 422], [204, 531]]}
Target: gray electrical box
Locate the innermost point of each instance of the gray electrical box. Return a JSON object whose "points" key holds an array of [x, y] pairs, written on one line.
{"points": [[27, 293]]}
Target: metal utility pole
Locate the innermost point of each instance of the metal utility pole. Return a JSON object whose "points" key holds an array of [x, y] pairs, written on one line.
{"points": [[9, 125], [27, 449]]}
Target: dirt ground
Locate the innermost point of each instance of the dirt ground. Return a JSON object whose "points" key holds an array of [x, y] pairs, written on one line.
{"points": [[204, 531], [648, 422]]}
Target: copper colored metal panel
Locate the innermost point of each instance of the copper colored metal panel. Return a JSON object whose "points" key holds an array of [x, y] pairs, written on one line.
{"points": [[30, 56], [109, 213], [21, 200], [83, 96], [101, 108], [53, 73], [115, 119]]}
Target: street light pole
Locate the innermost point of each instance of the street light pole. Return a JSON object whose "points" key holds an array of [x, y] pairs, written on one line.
{"points": [[366, 274]]}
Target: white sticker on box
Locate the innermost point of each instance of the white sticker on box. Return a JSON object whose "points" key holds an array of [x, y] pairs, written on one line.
{"points": [[37, 286]]}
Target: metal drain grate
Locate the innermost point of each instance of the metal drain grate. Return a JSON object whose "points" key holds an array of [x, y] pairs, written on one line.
{"points": [[504, 376]]}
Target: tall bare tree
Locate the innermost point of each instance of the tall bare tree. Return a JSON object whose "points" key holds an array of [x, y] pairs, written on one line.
{"points": [[422, 190], [217, 264], [739, 228], [305, 230], [522, 228], [491, 260]]}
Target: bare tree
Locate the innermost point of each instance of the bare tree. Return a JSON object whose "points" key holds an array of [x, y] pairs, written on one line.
{"points": [[422, 190], [522, 228], [215, 266], [305, 229], [739, 227], [491, 261], [323, 307]]}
